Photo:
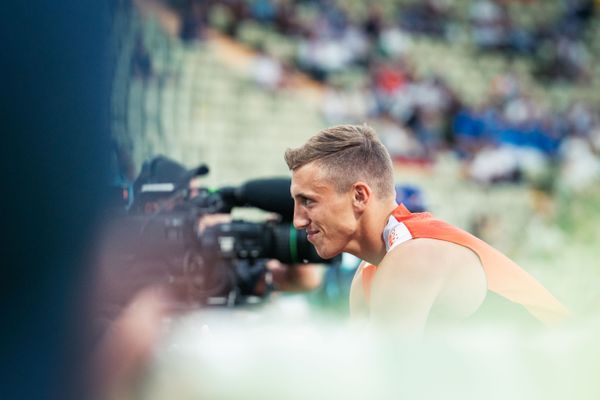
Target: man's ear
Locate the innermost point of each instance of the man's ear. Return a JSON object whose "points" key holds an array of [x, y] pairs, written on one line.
{"points": [[362, 194]]}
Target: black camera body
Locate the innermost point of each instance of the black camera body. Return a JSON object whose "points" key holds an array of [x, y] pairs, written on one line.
{"points": [[217, 264]]}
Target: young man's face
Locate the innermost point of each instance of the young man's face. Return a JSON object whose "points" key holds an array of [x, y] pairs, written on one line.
{"points": [[326, 215]]}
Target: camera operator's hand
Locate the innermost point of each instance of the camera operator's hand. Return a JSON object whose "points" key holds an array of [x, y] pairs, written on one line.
{"points": [[296, 277], [209, 220]]}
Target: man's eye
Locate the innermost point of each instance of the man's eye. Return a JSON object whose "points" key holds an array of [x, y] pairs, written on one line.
{"points": [[306, 202]]}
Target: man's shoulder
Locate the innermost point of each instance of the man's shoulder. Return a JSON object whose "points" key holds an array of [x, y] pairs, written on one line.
{"points": [[434, 256], [420, 251], [418, 260]]}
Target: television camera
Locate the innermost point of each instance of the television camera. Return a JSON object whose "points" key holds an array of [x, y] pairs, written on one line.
{"points": [[219, 264]]}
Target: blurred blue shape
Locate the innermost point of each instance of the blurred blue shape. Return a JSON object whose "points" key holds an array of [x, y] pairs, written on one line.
{"points": [[411, 196]]}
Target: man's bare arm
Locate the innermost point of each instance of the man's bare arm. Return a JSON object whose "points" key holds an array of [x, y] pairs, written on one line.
{"points": [[405, 288]]}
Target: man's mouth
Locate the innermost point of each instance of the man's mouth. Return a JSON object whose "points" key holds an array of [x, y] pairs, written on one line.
{"points": [[310, 234]]}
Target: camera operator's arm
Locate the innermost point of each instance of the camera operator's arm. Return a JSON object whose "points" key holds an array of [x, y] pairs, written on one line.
{"points": [[297, 277]]}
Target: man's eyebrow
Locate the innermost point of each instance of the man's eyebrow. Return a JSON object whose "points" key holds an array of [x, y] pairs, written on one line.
{"points": [[303, 195]]}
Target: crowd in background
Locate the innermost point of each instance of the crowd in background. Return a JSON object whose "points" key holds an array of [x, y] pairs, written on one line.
{"points": [[506, 136]]}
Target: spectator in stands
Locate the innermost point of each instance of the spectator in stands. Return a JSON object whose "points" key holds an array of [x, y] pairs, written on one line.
{"points": [[320, 56], [564, 59], [267, 71], [352, 102], [373, 22], [389, 81], [430, 17], [263, 11], [489, 24], [433, 102], [400, 141], [467, 129], [575, 17], [393, 42], [580, 167]]}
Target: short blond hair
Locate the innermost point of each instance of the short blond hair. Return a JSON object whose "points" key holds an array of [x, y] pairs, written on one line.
{"points": [[348, 153]]}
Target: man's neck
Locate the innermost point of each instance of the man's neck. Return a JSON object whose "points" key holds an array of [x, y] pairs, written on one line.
{"points": [[370, 243]]}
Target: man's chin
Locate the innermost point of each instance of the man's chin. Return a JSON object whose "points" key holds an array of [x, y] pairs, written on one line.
{"points": [[326, 254]]}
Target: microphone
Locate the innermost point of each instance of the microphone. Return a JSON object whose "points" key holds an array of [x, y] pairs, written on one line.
{"points": [[269, 194]]}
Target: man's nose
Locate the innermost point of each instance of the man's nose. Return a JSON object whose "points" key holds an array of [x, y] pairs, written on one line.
{"points": [[300, 219]]}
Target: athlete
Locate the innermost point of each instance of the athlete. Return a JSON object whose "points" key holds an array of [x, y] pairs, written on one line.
{"points": [[416, 270]]}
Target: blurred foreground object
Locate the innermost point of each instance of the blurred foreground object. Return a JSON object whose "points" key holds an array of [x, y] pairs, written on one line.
{"points": [[176, 249], [286, 355], [54, 159]]}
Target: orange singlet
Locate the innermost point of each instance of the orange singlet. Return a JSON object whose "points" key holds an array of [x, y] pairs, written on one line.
{"points": [[504, 276]]}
